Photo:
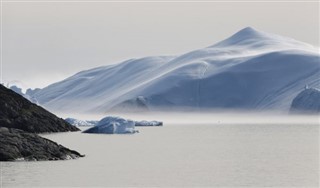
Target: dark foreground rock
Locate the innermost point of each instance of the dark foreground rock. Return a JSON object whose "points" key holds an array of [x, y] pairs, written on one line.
{"points": [[307, 102], [19, 113], [19, 145], [20, 119]]}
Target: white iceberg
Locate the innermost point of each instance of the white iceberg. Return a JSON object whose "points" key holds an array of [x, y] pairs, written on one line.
{"points": [[148, 123], [78, 122], [113, 125]]}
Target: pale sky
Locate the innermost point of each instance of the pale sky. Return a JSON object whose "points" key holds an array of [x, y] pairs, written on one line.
{"points": [[44, 42]]}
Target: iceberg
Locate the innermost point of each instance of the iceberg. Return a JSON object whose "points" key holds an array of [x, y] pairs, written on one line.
{"points": [[78, 122], [113, 125]]}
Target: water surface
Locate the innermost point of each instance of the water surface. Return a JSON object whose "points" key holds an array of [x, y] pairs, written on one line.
{"points": [[181, 155]]}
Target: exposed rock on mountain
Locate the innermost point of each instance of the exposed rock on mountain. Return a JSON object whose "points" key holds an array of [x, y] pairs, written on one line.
{"points": [[307, 101]]}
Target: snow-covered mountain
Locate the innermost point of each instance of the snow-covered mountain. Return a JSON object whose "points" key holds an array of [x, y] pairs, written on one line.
{"points": [[26, 95], [251, 70]]}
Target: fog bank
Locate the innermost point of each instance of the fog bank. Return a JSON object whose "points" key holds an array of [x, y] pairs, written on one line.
{"points": [[208, 117]]}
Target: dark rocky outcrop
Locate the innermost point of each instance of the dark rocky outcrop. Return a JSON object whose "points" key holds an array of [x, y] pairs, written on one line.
{"points": [[19, 145], [307, 101], [20, 120], [19, 113]]}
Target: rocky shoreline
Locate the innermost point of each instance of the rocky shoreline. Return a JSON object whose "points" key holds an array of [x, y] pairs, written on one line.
{"points": [[17, 145], [20, 120]]}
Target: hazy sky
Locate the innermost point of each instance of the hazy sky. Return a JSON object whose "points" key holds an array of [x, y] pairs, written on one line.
{"points": [[44, 42]]}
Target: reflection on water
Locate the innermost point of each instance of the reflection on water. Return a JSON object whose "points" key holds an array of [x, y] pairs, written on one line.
{"points": [[181, 155]]}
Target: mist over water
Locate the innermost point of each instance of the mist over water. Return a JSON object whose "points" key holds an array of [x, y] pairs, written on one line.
{"points": [[208, 117]]}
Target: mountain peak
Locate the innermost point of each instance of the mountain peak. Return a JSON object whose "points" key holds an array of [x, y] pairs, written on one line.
{"points": [[244, 36], [250, 38], [248, 31]]}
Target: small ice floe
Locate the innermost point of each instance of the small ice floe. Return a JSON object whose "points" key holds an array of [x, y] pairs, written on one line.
{"points": [[148, 123]]}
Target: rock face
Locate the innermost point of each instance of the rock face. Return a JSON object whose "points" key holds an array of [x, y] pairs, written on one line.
{"points": [[113, 125], [307, 101], [19, 113], [19, 121], [19, 145]]}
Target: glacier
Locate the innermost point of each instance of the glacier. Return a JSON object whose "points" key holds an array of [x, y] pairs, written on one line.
{"points": [[251, 70]]}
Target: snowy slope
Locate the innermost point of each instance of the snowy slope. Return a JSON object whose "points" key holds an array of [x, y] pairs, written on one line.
{"points": [[250, 70]]}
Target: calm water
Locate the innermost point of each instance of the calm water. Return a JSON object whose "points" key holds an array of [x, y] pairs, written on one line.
{"points": [[181, 155]]}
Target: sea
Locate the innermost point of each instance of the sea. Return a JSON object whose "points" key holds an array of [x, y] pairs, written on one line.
{"points": [[218, 152]]}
